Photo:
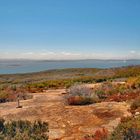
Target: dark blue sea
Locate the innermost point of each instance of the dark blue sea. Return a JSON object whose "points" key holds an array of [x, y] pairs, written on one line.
{"points": [[26, 66]]}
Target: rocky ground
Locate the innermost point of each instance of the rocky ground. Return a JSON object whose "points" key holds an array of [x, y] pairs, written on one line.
{"points": [[66, 122]]}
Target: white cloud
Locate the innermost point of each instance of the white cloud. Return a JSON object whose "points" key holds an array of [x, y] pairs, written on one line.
{"points": [[133, 54], [28, 53], [69, 54], [132, 51], [40, 55]]}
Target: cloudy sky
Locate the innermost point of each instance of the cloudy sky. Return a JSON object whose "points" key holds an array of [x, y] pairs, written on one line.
{"points": [[70, 29]]}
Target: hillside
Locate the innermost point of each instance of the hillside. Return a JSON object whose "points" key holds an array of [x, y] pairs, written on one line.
{"points": [[75, 103]]}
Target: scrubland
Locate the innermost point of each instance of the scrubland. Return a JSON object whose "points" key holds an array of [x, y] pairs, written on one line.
{"points": [[83, 104]]}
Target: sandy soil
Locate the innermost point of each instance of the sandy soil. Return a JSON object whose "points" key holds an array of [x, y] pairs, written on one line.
{"points": [[66, 122]]}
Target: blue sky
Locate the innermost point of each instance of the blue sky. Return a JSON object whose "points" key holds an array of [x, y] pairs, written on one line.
{"points": [[70, 29]]}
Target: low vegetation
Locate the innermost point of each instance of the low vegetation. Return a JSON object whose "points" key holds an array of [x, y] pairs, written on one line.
{"points": [[101, 134], [20, 85], [136, 104], [10, 93], [128, 129], [134, 82], [81, 95], [11, 85], [23, 130]]}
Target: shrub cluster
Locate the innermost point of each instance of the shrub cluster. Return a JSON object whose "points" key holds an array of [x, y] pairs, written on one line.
{"points": [[116, 92], [128, 129], [60, 83], [23, 130], [81, 95], [10, 93], [134, 82], [107, 91]]}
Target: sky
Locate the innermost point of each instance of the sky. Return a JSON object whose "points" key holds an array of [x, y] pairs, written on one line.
{"points": [[70, 29]]}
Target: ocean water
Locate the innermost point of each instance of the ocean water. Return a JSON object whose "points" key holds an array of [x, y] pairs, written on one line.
{"points": [[26, 66]]}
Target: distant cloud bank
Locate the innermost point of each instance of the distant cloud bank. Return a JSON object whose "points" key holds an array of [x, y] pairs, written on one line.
{"points": [[64, 55]]}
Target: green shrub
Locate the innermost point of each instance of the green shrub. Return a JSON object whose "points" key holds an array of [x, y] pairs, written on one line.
{"points": [[23, 130]]}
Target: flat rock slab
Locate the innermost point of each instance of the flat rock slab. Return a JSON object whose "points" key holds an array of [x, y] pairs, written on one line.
{"points": [[66, 122]]}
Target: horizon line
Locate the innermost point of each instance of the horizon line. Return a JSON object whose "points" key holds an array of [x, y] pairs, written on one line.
{"points": [[101, 59]]}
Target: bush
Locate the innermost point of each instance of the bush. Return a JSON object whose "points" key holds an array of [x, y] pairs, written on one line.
{"points": [[106, 89], [3, 96], [128, 129], [81, 95], [101, 134], [116, 92], [134, 82], [10, 93], [23, 130], [136, 104]]}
